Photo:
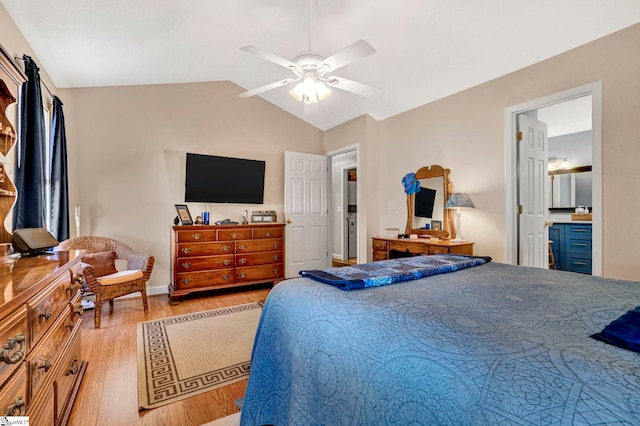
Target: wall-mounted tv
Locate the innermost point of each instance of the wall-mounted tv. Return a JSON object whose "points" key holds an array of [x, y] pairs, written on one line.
{"points": [[213, 179]]}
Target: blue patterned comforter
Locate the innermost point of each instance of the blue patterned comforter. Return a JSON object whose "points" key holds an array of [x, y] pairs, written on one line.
{"points": [[391, 271], [493, 344]]}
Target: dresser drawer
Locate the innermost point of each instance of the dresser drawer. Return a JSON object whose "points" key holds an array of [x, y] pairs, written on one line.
{"points": [[380, 245], [44, 308], [582, 231], [234, 234], [379, 255], [205, 249], [197, 236], [575, 262], [42, 410], [262, 272], [437, 250], [577, 244], [260, 233], [249, 246], [205, 278], [43, 358], [203, 263], [13, 393], [250, 259], [408, 247], [13, 342], [66, 372]]}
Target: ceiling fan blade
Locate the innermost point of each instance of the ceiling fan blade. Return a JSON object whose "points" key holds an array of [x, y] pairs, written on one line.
{"points": [[271, 57], [265, 88], [354, 86], [351, 53]]}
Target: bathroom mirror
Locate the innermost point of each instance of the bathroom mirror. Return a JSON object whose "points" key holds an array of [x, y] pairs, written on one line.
{"points": [[570, 188], [427, 206]]}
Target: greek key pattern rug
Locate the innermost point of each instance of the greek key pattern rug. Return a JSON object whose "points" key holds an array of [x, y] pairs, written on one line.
{"points": [[183, 356]]}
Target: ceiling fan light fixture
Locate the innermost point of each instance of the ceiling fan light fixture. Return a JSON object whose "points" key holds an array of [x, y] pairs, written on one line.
{"points": [[310, 91]]}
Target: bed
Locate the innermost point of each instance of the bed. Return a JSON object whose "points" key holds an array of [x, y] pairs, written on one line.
{"points": [[491, 344]]}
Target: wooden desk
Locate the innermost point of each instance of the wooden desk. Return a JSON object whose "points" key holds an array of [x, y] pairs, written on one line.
{"points": [[389, 248]]}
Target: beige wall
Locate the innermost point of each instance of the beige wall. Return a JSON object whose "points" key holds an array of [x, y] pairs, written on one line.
{"points": [[465, 132], [128, 155]]}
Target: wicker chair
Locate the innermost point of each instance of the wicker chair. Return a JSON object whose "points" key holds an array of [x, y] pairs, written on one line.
{"points": [[108, 287]]}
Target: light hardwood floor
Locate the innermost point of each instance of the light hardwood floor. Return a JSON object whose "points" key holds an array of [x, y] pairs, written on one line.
{"points": [[109, 393]]}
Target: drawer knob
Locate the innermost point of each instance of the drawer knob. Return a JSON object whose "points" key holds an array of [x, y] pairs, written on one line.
{"points": [[579, 244], [46, 366], [9, 354], [186, 250], [226, 262], [77, 282], [276, 245], [234, 235], [18, 406], [276, 257], [226, 248], [267, 234], [276, 271], [186, 265], [196, 236], [242, 247], [47, 314], [186, 281], [242, 260], [74, 366], [70, 325], [78, 310], [242, 275], [226, 277]]}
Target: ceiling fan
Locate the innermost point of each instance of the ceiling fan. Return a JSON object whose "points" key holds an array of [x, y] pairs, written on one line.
{"points": [[313, 77]]}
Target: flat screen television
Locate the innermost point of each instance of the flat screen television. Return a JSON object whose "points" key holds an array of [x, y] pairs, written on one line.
{"points": [[213, 179]]}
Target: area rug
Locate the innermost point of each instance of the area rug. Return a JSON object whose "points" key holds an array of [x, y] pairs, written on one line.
{"points": [[183, 356]]}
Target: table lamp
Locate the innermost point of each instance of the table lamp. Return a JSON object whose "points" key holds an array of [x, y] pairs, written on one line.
{"points": [[458, 201]]}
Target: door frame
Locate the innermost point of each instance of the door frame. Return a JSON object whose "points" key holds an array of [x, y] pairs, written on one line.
{"points": [[511, 170], [332, 214]]}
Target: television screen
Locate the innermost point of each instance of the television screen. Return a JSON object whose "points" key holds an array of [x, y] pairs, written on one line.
{"points": [[213, 179], [424, 202]]}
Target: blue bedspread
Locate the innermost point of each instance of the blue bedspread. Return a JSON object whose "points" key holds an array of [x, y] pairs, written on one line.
{"points": [[493, 344], [384, 272]]}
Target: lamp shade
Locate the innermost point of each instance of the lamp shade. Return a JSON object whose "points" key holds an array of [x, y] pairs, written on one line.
{"points": [[459, 200]]}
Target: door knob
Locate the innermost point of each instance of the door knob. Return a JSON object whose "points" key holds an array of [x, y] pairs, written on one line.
{"points": [[548, 223], [289, 221]]}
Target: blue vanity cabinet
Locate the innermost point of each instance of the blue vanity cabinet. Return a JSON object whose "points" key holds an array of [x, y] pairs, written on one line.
{"points": [[573, 244]]}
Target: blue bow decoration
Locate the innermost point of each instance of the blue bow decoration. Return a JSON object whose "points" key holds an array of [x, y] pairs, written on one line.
{"points": [[410, 183]]}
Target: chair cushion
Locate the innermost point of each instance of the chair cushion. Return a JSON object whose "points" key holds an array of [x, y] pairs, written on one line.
{"points": [[120, 277], [103, 262]]}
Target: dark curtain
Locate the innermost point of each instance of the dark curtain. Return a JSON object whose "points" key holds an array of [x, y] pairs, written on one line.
{"points": [[59, 218], [30, 206]]}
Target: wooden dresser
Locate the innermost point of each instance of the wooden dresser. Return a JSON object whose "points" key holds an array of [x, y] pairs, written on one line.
{"points": [[212, 257], [40, 361], [389, 248]]}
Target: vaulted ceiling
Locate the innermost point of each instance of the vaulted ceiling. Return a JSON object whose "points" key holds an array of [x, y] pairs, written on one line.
{"points": [[425, 49]]}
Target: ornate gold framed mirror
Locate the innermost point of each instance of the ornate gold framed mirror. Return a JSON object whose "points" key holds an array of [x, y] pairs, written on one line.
{"points": [[425, 208]]}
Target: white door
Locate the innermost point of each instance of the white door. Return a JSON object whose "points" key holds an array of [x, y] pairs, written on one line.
{"points": [[305, 212], [532, 192]]}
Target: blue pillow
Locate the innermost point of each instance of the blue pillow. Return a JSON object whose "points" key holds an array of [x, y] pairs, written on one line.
{"points": [[623, 332]]}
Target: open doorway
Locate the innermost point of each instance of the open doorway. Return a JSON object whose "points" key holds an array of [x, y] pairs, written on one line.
{"points": [[566, 136], [344, 207]]}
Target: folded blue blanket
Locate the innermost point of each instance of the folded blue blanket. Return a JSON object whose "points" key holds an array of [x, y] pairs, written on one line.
{"points": [[384, 272]]}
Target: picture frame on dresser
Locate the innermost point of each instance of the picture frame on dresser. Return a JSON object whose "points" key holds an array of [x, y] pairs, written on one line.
{"points": [[183, 214]]}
